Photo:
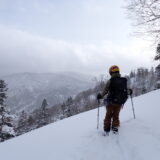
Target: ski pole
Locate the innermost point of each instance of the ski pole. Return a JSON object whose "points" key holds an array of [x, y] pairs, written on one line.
{"points": [[98, 115], [133, 107]]}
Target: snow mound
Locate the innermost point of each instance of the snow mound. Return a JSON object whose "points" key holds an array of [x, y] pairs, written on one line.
{"points": [[77, 138]]}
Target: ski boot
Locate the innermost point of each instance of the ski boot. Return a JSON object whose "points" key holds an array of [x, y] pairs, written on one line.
{"points": [[106, 131], [115, 130]]}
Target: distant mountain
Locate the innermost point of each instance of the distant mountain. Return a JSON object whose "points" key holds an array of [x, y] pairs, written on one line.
{"points": [[27, 90]]}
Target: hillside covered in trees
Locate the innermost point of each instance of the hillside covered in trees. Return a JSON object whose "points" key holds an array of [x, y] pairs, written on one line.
{"points": [[141, 81]]}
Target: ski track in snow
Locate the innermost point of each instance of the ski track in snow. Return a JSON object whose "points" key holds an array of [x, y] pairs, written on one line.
{"points": [[123, 146]]}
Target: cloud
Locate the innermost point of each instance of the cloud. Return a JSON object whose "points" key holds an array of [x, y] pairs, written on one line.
{"points": [[23, 52]]}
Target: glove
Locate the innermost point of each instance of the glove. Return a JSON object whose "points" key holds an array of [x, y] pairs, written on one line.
{"points": [[130, 92], [99, 96]]}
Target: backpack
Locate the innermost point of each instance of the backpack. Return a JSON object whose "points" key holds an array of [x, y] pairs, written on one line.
{"points": [[118, 90]]}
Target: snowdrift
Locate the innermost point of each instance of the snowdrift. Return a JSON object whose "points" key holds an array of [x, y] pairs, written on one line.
{"points": [[77, 138]]}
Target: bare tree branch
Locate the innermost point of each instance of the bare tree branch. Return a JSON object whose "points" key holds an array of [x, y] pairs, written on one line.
{"points": [[146, 15]]}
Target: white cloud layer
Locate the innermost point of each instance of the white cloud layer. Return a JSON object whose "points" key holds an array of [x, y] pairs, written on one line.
{"points": [[23, 52]]}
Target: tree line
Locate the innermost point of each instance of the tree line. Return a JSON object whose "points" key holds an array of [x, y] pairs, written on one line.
{"points": [[142, 80]]}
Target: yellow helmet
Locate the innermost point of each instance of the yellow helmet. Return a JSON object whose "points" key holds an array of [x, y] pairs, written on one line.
{"points": [[114, 69]]}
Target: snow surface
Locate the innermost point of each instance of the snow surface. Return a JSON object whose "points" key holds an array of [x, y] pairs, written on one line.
{"points": [[77, 138]]}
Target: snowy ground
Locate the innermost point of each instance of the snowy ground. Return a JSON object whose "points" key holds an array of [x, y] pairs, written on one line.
{"points": [[77, 138]]}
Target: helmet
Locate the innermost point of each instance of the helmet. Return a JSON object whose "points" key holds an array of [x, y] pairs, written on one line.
{"points": [[113, 69]]}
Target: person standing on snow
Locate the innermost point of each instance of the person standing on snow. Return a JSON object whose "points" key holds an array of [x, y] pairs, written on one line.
{"points": [[117, 94]]}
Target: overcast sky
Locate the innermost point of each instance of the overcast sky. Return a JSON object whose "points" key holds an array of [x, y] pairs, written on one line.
{"points": [[68, 35]]}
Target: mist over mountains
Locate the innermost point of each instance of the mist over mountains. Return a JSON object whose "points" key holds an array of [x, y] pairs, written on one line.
{"points": [[26, 91]]}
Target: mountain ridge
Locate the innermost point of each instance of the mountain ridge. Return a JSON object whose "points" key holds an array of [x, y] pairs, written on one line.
{"points": [[27, 90]]}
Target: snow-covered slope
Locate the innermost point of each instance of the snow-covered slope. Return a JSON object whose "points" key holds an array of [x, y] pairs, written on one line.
{"points": [[77, 138], [27, 90]]}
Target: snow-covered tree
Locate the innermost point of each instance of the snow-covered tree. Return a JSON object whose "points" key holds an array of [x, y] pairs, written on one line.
{"points": [[142, 81], [22, 123], [43, 113], [157, 57], [69, 103], [158, 76], [6, 127]]}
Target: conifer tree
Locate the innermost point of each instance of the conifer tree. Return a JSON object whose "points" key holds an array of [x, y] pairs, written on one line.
{"points": [[43, 113], [6, 127], [157, 57], [22, 123], [158, 76]]}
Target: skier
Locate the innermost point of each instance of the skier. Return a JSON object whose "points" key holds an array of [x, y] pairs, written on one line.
{"points": [[117, 94]]}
